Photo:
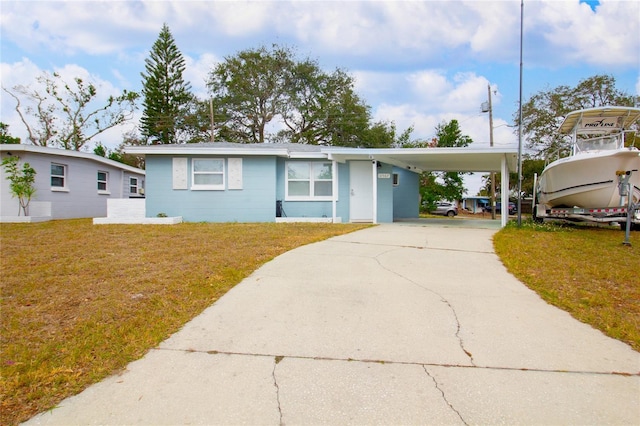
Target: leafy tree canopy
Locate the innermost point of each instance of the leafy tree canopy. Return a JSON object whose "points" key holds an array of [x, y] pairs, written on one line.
{"points": [[543, 113], [5, 137], [258, 90], [438, 186]]}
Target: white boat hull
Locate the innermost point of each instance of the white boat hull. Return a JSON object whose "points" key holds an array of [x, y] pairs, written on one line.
{"points": [[589, 179]]}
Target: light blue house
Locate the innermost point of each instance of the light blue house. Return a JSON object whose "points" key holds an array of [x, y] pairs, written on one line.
{"points": [[226, 182]]}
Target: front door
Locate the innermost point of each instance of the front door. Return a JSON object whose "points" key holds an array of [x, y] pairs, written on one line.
{"points": [[361, 190]]}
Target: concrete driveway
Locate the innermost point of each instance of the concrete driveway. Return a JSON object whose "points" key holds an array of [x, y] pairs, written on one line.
{"points": [[396, 324]]}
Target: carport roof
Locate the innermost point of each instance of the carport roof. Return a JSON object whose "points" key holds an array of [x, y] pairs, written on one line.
{"points": [[433, 159], [465, 159]]}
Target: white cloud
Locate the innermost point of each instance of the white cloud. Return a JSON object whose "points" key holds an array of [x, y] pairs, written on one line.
{"points": [[411, 32], [431, 97], [197, 72], [574, 34]]}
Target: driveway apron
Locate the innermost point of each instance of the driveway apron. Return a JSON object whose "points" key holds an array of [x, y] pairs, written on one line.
{"points": [[394, 324]]}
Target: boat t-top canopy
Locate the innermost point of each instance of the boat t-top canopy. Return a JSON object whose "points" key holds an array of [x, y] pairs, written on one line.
{"points": [[607, 119]]}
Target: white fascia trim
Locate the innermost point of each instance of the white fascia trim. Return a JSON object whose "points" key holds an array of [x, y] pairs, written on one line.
{"points": [[309, 155], [68, 153], [189, 150]]}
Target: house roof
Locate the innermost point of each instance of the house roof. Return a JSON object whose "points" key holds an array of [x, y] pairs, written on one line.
{"points": [[414, 159], [11, 148]]}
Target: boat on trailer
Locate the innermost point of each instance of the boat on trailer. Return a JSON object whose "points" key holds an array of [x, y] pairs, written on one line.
{"points": [[600, 180]]}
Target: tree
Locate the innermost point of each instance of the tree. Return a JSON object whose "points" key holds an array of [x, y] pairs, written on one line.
{"points": [[5, 137], [437, 186], [131, 138], [257, 88], [65, 114], [323, 109], [20, 182], [251, 89], [385, 134], [167, 97], [543, 113], [530, 167]]}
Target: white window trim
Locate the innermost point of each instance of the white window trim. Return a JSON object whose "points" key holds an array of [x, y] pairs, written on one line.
{"points": [[395, 179], [310, 197], [220, 187], [64, 176], [106, 183], [137, 185]]}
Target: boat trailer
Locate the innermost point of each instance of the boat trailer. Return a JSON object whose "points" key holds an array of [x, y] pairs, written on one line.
{"points": [[628, 217]]}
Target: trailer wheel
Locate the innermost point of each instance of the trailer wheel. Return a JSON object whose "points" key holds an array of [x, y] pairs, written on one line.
{"points": [[633, 227], [536, 218]]}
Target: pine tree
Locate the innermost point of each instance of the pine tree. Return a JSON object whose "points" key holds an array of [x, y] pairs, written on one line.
{"points": [[166, 95]]}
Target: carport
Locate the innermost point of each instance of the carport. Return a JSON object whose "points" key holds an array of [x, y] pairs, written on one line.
{"points": [[418, 160]]}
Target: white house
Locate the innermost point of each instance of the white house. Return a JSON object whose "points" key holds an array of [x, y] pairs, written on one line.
{"points": [[69, 184]]}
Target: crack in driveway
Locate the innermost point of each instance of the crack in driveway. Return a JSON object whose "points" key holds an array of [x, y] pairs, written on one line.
{"points": [[444, 397], [277, 360], [441, 297]]}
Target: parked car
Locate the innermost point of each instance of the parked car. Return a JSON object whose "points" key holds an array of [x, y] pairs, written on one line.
{"points": [[446, 209], [512, 208]]}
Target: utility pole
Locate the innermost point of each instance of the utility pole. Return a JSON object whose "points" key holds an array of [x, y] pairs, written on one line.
{"points": [[212, 122], [493, 174], [487, 107]]}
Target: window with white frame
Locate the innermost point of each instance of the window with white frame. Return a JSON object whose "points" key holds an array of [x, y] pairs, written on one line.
{"points": [[396, 179], [309, 180], [133, 185], [58, 176], [103, 181], [207, 173]]}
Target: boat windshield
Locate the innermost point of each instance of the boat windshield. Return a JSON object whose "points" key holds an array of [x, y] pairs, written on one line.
{"points": [[601, 143]]}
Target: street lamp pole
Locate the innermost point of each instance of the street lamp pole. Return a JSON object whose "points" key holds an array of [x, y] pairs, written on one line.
{"points": [[520, 122]]}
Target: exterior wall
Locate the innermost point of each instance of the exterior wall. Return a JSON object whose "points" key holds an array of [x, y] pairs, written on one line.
{"points": [[79, 199], [406, 195], [308, 208], [255, 202], [385, 193], [476, 204], [342, 206]]}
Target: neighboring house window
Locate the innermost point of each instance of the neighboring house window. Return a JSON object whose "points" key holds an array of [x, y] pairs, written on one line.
{"points": [[396, 179], [207, 173], [103, 180], [58, 176], [133, 185], [309, 180]]}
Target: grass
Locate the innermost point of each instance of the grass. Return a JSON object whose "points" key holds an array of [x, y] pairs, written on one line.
{"points": [[79, 301], [586, 271]]}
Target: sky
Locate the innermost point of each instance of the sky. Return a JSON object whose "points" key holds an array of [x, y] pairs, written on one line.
{"points": [[415, 63]]}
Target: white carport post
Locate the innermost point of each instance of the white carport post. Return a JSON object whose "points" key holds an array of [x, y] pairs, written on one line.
{"points": [[334, 190], [504, 192], [374, 165]]}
